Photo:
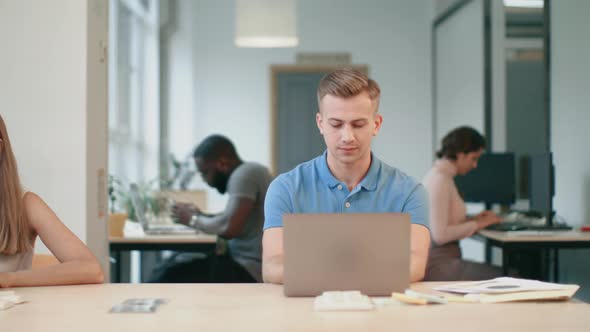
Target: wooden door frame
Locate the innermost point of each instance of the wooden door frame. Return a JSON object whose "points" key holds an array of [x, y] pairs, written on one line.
{"points": [[281, 69]]}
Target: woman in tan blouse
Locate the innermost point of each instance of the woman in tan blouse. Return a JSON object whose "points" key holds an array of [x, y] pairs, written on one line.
{"points": [[24, 216], [460, 151]]}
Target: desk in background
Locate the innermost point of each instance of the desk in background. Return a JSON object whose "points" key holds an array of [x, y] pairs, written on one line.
{"points": [[190, 243], [546, 243], [262, 307]]}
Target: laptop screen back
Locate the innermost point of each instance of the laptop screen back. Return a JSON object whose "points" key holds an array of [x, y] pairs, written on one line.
{"points": [[366, 252], [138, 205]]}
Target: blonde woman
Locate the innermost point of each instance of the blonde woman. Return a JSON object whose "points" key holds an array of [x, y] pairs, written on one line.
{"points": [[24, 217]]}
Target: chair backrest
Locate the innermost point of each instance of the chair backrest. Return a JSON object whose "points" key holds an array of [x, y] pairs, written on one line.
{"points": [[43, 260]]}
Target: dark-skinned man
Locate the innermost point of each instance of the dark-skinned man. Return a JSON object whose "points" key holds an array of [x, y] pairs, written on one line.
{"points": [[240, 223]]}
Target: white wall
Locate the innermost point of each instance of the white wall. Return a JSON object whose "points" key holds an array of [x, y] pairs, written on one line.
{"points": [[218, 88], [570, 120], [459, 71], [459, 54], [498, 63], [442, 5], [53, 111]]}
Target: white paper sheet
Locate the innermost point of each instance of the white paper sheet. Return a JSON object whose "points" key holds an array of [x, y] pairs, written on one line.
{"points": [[500, 285]]}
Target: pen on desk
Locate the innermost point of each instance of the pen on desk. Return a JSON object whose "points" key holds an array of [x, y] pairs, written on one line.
{"points": [[408, 299]]}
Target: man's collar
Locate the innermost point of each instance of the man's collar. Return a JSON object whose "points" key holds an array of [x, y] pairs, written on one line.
{"points": [[325, 173], [369, 181]]}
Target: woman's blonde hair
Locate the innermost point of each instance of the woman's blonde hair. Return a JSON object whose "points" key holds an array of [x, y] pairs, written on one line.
{"points": [[14, 226]]}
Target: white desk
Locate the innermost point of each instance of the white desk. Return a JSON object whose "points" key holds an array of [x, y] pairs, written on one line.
{"points": [[262, 307], [573, 238], [540, 240], [192, 243]]}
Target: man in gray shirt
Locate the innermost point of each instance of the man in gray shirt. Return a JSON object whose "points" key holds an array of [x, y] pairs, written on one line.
{"points": [[241, 222]]}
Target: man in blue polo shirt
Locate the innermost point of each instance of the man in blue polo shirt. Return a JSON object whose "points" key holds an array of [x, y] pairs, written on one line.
{"points": [[348, 177]]}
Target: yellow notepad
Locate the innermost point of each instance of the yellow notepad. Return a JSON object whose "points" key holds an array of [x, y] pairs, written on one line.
{"points": [[408, 299]]}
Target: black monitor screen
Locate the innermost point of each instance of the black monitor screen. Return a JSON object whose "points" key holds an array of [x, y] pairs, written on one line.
{"points": [[541, 184], [492, 182]]}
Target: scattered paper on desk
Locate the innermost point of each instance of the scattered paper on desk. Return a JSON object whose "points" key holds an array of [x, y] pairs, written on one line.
{"points": [[502, 285], [430, 298], [461, 298], [133, 229], [510, 289], [343, 301], [147, 305], [8, 299], [547, 295]]}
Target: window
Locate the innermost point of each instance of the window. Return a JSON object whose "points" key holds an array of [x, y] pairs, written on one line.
{"points": [[134, 90], [134, 138]]}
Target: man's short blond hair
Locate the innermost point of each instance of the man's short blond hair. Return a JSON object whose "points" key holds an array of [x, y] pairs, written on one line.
{"points": [[345, 83]]}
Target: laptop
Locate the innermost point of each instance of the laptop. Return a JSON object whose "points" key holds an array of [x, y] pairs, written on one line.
{"points": [[154, 229], [336, 252]]}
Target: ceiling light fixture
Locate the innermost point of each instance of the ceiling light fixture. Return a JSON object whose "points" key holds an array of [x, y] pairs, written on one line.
{"points": [[524, 3], [266, 23]]}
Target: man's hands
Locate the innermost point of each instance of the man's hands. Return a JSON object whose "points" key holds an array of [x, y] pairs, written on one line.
{"points": [[487, 218], [183, 212]]}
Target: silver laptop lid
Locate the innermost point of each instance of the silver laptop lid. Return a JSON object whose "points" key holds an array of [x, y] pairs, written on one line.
{"points": [[138, 205], [366, 252]]}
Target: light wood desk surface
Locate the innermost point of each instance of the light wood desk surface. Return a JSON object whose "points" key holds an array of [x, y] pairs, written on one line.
{"points": [[262, 307]]}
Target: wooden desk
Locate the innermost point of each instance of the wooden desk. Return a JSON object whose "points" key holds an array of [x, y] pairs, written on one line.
{"points": [[192, 243], [548, 241], [262, 307]]}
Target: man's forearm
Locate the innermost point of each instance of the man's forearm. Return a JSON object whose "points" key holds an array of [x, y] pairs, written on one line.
{"points": [[417, 267], [272, 269], [211, 224]]}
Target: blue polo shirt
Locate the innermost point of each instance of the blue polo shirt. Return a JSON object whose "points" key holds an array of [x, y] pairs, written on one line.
{"points": [[311, 188]]}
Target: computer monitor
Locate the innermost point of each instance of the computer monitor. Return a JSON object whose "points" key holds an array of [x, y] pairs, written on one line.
{"points": [[542, 185], [492, 182]]}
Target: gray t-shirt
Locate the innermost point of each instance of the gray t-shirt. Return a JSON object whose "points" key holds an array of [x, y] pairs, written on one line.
{"points": [[250, 180]]}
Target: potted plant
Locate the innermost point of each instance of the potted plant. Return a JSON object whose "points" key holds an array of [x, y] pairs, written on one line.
{"points": [[117, 218]]}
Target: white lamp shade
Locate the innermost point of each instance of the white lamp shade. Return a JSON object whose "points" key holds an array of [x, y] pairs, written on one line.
{"points": [[524, 3], [266, 23]]}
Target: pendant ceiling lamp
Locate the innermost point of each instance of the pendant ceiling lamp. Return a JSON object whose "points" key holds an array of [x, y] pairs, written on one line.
{"points": [[266, 23], [524, 3]]}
